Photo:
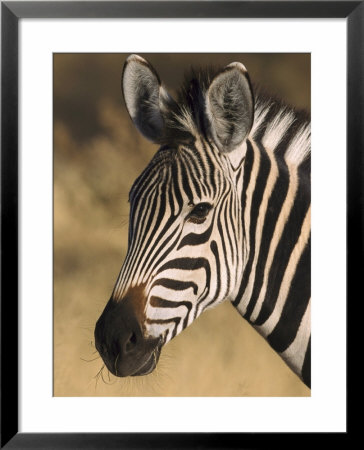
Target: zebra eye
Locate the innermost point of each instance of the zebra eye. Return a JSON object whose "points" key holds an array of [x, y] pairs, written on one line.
{"points": [[199, 212]]}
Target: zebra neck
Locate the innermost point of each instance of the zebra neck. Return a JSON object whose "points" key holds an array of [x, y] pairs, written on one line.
{"points": [[274, 291]]}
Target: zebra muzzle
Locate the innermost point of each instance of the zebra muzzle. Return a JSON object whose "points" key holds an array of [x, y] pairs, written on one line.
{"points": [[121, 343]]}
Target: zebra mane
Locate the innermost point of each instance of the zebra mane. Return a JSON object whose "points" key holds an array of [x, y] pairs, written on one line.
{"points": [[274, 121], [186, 117]]}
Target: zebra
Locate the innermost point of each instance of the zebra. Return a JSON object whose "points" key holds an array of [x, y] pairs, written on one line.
{"points": [[221, 212]]}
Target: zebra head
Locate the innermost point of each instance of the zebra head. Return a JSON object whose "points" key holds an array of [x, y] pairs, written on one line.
{"points": [[185, 240]]}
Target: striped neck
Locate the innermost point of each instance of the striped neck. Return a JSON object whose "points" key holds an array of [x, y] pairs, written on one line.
{"points": [[274, 291]]}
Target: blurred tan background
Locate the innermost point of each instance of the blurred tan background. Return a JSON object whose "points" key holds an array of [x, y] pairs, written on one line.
{"points": [[97, 155]]}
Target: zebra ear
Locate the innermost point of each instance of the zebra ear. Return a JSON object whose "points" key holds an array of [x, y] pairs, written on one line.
{"points": [[145, 97], [230, 107]]}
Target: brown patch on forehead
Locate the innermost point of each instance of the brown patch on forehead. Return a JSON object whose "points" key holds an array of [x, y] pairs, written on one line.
{"points": [[135, 298]]}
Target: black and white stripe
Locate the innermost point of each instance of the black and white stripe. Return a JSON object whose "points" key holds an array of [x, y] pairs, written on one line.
{"points": [[252, 177], [275, 290]]}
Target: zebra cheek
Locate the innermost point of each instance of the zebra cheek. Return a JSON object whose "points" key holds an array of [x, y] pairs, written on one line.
{"points": [[168, 319]]}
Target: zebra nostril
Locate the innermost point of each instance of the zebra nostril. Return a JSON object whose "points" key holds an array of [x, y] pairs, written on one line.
{"points": [[131, 342]]}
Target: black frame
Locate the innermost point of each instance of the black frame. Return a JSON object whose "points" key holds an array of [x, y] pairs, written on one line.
{"points": [[11, 12]]}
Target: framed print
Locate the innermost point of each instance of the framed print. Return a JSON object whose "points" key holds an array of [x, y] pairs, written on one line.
{"points": [[76, 146], [71, 152]]}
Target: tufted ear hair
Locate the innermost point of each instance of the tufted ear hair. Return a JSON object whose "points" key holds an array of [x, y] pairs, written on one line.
{"points": [[146, 99], [230, 107]]}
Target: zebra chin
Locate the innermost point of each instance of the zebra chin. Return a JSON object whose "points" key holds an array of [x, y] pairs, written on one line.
{"points": [[123, 368], [120, 340]]}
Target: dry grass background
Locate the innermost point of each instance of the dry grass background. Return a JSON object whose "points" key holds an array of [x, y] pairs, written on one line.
{"points": [[97, 155]]}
